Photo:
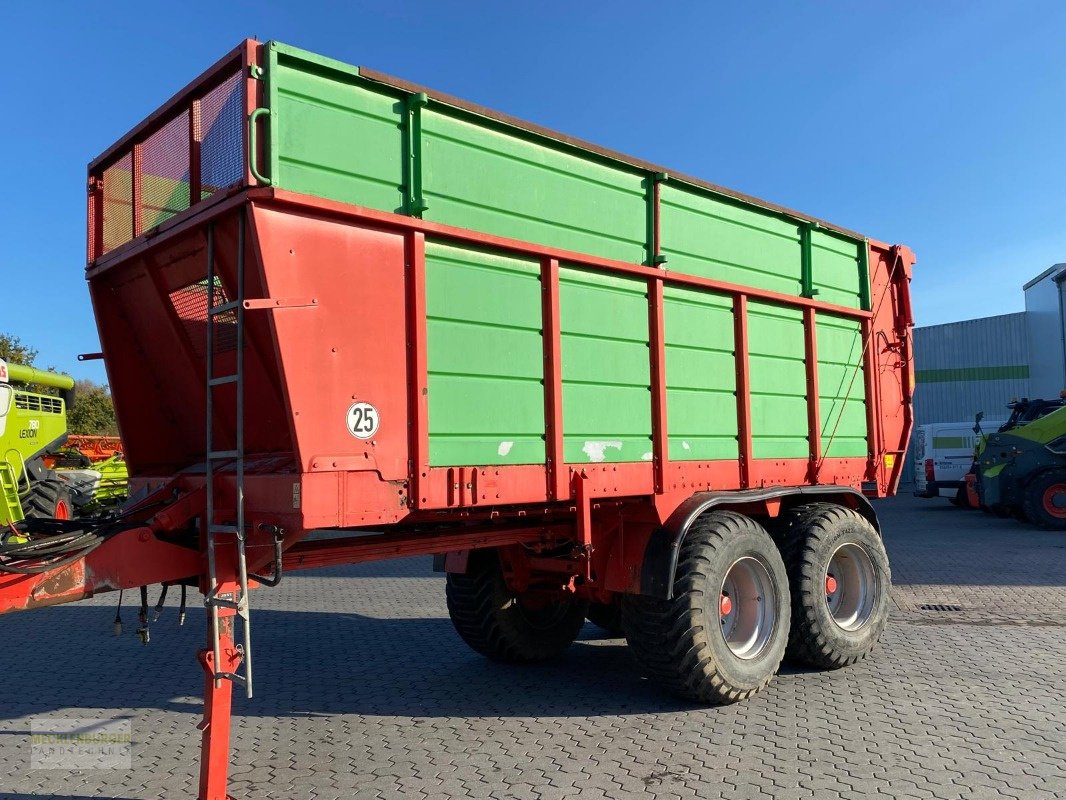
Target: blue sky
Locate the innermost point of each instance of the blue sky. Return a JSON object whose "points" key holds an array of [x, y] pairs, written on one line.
{"points": [[940, 125]]}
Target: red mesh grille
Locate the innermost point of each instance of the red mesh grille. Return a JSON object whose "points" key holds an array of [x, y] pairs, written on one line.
{"points": [[118, 203], [221, 135], [190, 304], [167, 166], [165, 172]]}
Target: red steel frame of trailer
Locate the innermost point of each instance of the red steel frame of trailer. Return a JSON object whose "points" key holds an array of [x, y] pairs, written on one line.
{"points": [[315, 317]]}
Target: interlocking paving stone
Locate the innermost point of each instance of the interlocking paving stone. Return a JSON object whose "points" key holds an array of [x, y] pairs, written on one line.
{"points": [[364, 691]]}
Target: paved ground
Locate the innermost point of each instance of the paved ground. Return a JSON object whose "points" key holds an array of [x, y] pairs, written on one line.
{"points": [[363, 690]]}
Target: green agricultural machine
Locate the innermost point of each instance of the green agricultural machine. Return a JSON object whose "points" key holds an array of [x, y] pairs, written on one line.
{"points": [[1021, 469], [44, 473], [32, 425]]}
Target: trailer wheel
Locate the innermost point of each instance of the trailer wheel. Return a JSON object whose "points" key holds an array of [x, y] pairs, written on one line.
{"points": [[505, 627], [1045, 500], [607, 616], [723, 635], [840, 579], [48, 499]]}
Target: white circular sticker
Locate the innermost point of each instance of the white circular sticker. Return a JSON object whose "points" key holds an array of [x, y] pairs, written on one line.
{"points": [[362, 420]]}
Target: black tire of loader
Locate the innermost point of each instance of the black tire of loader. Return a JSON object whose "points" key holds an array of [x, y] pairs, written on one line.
{"points": [[45, 498], [809, 536], [1033, 500], [493, 622], [679, 643]]}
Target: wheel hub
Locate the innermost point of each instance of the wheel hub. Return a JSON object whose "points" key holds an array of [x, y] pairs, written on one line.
{"points": [[62, 510], [747, 607], [851, 586], [1054, 500]]}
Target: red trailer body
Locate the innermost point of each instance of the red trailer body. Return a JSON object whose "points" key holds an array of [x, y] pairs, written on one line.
{"points": [[283, 313]]}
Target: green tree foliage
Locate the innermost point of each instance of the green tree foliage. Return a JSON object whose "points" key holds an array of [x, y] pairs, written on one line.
{"points": [[93, 413], [15, 351]]}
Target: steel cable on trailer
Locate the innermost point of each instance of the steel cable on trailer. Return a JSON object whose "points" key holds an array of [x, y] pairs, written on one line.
{"points": [[867, 341]]}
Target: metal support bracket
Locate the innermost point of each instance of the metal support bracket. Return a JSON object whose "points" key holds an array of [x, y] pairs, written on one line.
{"points": [[280, 302]]}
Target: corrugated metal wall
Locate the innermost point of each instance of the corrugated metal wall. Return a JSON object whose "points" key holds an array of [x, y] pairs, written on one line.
{"points": [[965, 367]]}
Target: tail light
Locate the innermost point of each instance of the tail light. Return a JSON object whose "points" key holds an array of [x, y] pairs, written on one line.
{"points": [[929, 475]]}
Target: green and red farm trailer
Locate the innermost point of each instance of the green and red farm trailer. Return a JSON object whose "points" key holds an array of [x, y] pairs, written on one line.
{"points": [[331, 300]]}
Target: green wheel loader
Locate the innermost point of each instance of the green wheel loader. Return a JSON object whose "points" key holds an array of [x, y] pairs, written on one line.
{"points": [[33, 426], [1021, 470]]}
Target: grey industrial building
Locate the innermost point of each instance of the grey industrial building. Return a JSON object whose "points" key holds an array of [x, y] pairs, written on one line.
{"points": [[981, 364]]}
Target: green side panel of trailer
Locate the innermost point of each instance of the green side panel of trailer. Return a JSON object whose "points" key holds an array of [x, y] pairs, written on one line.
{"points": [[836, 269], [337, 135], [701, 384], [713, 237], [333, 135], [485, 358], [778, 378], [841, 387], [493, 180], [605, 367]]}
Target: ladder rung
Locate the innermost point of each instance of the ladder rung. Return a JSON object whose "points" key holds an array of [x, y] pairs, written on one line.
{"points": [[218, 454], [223, 529], [212, 598], [231, 676], [223, 308], [239, 604], [222, 380]]}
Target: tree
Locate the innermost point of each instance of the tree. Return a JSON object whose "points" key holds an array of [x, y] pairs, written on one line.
{"points": [[93, 412], [15, 351]]}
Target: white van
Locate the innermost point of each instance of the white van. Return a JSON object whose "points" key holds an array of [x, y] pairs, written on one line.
{"points": [[943, 454]]}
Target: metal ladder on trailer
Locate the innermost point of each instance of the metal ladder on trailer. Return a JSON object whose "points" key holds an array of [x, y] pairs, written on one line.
{"points": [[215, 458]]}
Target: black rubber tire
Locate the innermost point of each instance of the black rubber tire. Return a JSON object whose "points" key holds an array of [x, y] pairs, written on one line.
{"points": [[45, 497], [607, 616], [809, 536], [679, 643], [1033, 505], [489, 618]]}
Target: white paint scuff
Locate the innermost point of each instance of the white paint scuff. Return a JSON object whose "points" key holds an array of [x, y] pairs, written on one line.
{"points": [[646, 457], [596, 449], [504, 448], [685, 446]]}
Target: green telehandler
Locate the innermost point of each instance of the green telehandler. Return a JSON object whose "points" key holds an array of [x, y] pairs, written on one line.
{"points": [[1021, 469]]}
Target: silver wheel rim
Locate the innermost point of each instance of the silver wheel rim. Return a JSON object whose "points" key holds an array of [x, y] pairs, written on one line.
{"points": [[851, 586], [747, 607]]}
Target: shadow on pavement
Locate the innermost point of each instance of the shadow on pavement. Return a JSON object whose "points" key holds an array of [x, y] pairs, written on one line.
{"points": [[309, 663]]}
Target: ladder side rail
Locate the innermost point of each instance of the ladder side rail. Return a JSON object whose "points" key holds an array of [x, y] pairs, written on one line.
{"points": [[209, 534], [242, 561]]}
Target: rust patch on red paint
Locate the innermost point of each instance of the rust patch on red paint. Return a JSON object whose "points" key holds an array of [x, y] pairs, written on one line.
{"points": [[61, 585]]}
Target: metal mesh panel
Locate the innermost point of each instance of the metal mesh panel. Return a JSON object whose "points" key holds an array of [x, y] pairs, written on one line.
{"points": [[118, 203], [190, 304], [166, 164], [94, 245], [221, 133], [165, 172]]}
